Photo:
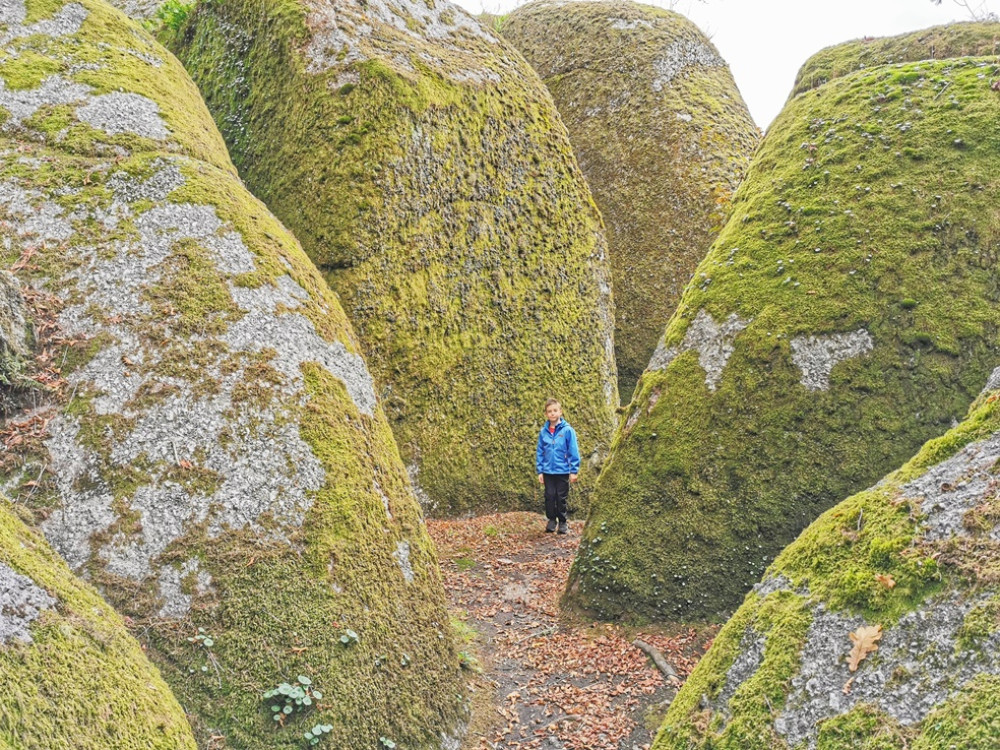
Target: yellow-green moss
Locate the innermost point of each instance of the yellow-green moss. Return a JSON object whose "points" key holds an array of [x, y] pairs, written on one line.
{"points": [[451, 218], [935, 43], [83, 682], [870, 206], [820, 569], [662, 154], [282, 591]]}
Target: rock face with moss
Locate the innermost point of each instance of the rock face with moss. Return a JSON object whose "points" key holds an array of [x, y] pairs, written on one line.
{"points": [[424, 168], [662, 135], [935, 43], [212, 453], [72, 676], [846, 314], [879, 627]]}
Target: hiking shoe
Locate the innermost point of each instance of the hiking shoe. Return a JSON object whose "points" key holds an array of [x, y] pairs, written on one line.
{"points": [[550, 526], [563, 527]]}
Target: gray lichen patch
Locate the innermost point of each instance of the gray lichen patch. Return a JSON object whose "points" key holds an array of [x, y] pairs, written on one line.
{"points": [[33, 216], [772, 585], [65, 22], [746, 664], [53, 91], [816, 356], [113, 113], [264, 472], [713, 342], [402, 557], [138, 9], [13, 332], [21, 602], [993, 381], [343, 33], [176, 603], [120, 112], [916, 668], [682, 55], [950, 489]]}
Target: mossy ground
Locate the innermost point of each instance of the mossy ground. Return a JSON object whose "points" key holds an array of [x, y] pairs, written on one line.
{"points": [[452, 220], [836, 562], [871, 204], [83, 682], [662, 158], [280, 596]]}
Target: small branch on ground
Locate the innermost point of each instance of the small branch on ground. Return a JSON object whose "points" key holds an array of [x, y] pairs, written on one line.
{"points": [[661, 663]]}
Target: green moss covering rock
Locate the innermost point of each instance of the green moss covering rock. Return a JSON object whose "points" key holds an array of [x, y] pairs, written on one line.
{"points": [[217, 461], [425, 170], [72, 677], [662, 135], [910, 558], [847, 313], [935, 43]]}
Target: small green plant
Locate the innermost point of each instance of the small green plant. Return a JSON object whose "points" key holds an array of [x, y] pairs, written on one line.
{"points": [[468, 662], [349, 637], [205, 642], [491, 531], [287, 699], [203, 639], [171, 15], [465, 563], [314, 735]]}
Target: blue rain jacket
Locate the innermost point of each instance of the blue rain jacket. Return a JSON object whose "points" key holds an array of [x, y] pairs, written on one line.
{"points": [[557, 453]]}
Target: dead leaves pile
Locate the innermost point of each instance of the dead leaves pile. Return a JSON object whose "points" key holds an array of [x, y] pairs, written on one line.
{"points": [[583, 685]]}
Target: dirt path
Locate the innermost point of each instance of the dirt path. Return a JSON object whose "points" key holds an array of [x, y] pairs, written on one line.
{"points": [[547, 683]]}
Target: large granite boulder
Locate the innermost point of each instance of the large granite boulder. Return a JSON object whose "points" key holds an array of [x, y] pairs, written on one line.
{"points": [[847, 313], [878, 628], [662, 135], [72, 676], [425, 170], [935, 43], [217, 461]]}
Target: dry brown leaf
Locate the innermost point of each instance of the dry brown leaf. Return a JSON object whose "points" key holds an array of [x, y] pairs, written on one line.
{"points": [[847, 686], [865, 640], [886, 580]]}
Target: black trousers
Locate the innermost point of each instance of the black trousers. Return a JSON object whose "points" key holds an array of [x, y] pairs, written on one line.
{"points": [[556, 492]]}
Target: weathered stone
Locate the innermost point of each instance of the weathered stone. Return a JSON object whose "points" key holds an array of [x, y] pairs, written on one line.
{"points": [[218, 458], [662, 135], [880, 559], [865, 286], [424, 168], [12, 323], [74, 678]]}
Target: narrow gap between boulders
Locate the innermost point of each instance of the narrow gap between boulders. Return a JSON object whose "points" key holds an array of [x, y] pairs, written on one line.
{"points": [[540, 680]]}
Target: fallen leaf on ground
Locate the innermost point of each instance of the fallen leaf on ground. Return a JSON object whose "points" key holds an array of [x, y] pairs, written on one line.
{"points": [[865, 640]]}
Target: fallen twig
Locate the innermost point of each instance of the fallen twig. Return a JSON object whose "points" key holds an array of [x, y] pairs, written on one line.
{"points": [[658, 659]]}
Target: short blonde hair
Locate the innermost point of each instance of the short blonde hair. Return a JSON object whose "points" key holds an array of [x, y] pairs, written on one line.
{"points": [[551, 401]]}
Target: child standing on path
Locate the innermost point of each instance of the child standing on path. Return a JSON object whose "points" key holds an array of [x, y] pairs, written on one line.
{"points": [[557, 461]]}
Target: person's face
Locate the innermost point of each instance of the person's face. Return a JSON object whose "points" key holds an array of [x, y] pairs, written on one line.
{"points": [[553, 412]]}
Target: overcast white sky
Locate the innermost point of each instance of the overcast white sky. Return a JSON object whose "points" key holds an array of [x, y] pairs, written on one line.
{"points": [[765, 41]]}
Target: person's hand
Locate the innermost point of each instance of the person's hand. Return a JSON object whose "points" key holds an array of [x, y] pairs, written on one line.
{"points": [[572, 478], [541, 479]]}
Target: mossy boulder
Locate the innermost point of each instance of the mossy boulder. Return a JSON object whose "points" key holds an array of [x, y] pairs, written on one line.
{"points": [[72, 676], [663, 136], [213, 455], [935, 43], [425, 170], [846, 314], [915, 560]]}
